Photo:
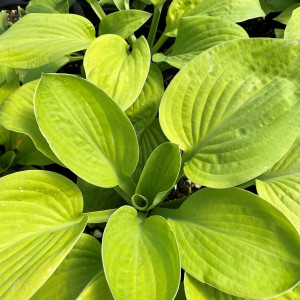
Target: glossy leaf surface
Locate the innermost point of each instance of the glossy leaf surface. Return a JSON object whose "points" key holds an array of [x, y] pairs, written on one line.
{"points": [[40, 222], [143, 265], [197, 34], [237, 242], [17, 114], [233, 10], [236, 109], [86, 129], [120, 74], [37, 39], [123, 23], [75, 273]]}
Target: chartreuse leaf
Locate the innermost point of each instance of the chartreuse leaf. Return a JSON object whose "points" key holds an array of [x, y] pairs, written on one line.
{"points": [[279, 33], [286, 15], [140, 256], [292, 30], [4, 135], [28, 154], [6, 160], [242, 98], [197, 34], [120, 74], [150, 139], [48, 6], [276, 5], [96, 198], [237, 242], [144, 110], [37, 39], [40, 223], [122, 4], [8, 88], [195, 289], [86, 129], [158, 177], [3, 20], [76, 271], [281, 184], [16, 114], [232, 10], [97, 289], [123, 23]]}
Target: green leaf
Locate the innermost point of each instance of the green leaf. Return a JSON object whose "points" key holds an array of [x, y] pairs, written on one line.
{"points": [[150, 139], [4, 135], [6, 160], [286, 15], [119, 74], [86, 129], [197, 34], [96, 198], [40, 223], [71, 2], [97, 290], [276, 5], [28, 154], [237, 242], [281, 184], [279, 33], [48, 6], [75, 273], [292, 30], [38, 39], [140, 257], [195, 289], [158, 177], [144, 110], [232, 10], [236, 110], [3, 24], [180, 294], [7, 88], [122, 4], [51, 67], [17, 114], [123, 23]]}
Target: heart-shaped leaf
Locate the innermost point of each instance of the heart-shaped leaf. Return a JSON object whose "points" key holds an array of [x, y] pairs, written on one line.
{"points": [[75, 273], [37, 39], [86, 129], [123, 23], [232, 10], [48, 6], [236, 110], [144, 110], [41, 220], [292, 30], [158, 177], [237, 242], [197, 34], [121, 75], [140, 257], [281, 184], [17, 114]]}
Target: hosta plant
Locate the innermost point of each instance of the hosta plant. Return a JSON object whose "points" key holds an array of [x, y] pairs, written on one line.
{"points": [[228, 120]]}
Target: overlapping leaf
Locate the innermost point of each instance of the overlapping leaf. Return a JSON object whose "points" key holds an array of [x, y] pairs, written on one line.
{"points": [[121, 75], [37, 39], [233, 10], [292, 30], [40, 222], [17, 114], [236, 110], [237, 242], [86, 129], [75, 273], [197, 34], [123, 23], [48, 6], [276, 5], [286, 15], [146, 263]]}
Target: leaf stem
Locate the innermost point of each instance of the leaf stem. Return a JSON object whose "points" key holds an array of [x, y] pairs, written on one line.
{"points": [[75, 58], [97, 9], [99, 216], [159, 43], [127, 186], [154, 25]]}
